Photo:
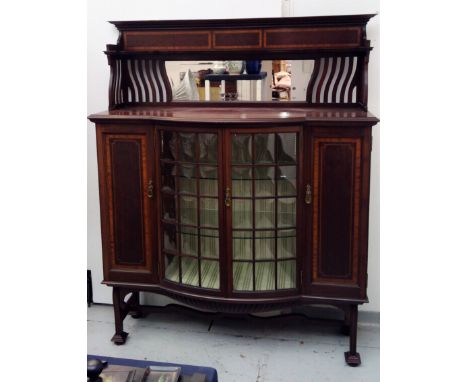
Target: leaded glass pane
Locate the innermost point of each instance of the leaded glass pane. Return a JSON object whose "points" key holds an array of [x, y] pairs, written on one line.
{"points": [[241, 148], [265, 213], [264, 148], [189, 241], [241, 213], [209, 243], [286, 274], [241, 182], [287, 147], [287, 212], [265, 275], [210, 274], [189, 271], [242, 276], [172, 268], [187, 147], [264, 181], [264, 245], [208, 144], [242, 245]]}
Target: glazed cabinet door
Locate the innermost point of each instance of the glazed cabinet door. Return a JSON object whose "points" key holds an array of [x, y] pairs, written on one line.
{"points": [[190, 217], [261, 203], [337, 194], [127, 200]]}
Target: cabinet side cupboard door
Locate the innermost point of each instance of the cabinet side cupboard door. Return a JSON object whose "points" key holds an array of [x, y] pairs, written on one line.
{"points": [[127, 193], [337, 188]]}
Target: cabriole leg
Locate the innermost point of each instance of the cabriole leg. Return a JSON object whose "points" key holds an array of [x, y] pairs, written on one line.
{"points": [[134, 305], [345, 327], [352, 357], [119, 314]]}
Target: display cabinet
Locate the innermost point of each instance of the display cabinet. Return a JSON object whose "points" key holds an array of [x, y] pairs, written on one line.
{"points": [[237, 207]]}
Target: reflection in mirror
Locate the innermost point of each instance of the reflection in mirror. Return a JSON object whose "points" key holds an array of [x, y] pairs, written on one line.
{"points": [[277, 80]]}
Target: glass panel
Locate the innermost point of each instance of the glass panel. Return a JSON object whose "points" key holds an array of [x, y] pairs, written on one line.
{"points": [[208, 147], [287, 212], [264, 245], [189, 241], [265, 276], [168, 145], [286, 243], [287, 181], [264, 148], [190, 271], [242, 276], [187, 147], [241, 213], [188, 210], [241, 181], [168, 207], [210, 274], [209, 244], [242, 245], [286, 274], [264, 181], [208, 212], [170, 237], [187, 179], [287, 147], [168, 177], [172, 268], [208, 181], [265, 213], [241, 147]]}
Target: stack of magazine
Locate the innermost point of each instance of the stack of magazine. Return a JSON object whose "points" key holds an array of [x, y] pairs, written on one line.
{"points": [[149, 374]]}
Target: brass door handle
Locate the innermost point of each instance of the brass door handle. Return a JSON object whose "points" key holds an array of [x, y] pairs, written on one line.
{"points": [[308, 194], [227, 197], [150, 188]]}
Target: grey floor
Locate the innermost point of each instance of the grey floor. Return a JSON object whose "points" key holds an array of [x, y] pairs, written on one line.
{"points": [[293, 348]]}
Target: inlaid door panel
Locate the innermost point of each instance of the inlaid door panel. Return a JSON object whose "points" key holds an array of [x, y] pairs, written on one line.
{"points": [[337, 186], [126, 190]]}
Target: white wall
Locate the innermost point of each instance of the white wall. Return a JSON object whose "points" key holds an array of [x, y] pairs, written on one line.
{"points": [[101, 33]]}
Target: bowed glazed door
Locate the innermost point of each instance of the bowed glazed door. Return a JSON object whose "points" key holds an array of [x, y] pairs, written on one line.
{"points": [[261, 202], [191, 216], [337, 210]]}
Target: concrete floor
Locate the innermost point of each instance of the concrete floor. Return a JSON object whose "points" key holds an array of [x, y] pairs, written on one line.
{"points": [[248, 349]]}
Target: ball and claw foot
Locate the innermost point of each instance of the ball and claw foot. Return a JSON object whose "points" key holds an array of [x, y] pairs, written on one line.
{"points": [[119, 338], [352, 359]]}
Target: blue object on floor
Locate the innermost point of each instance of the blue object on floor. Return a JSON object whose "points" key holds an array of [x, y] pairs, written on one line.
{"points": [[211, 374]]}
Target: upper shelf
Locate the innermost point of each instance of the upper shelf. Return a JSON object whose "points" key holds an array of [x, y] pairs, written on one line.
{"points": [[285, 34]]}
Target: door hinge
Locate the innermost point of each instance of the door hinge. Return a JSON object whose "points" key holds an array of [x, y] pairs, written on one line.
{"points": [[301, 277]]}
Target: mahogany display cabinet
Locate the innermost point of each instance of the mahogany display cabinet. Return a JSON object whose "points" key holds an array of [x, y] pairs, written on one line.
{"points": [[237, 207]]}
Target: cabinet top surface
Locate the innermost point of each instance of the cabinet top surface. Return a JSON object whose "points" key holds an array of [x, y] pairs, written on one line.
{"points": [[238, 115], [257, 22]]}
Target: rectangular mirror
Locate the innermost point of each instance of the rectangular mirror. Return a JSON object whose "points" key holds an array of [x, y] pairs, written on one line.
{"points": [[261, 81]]}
